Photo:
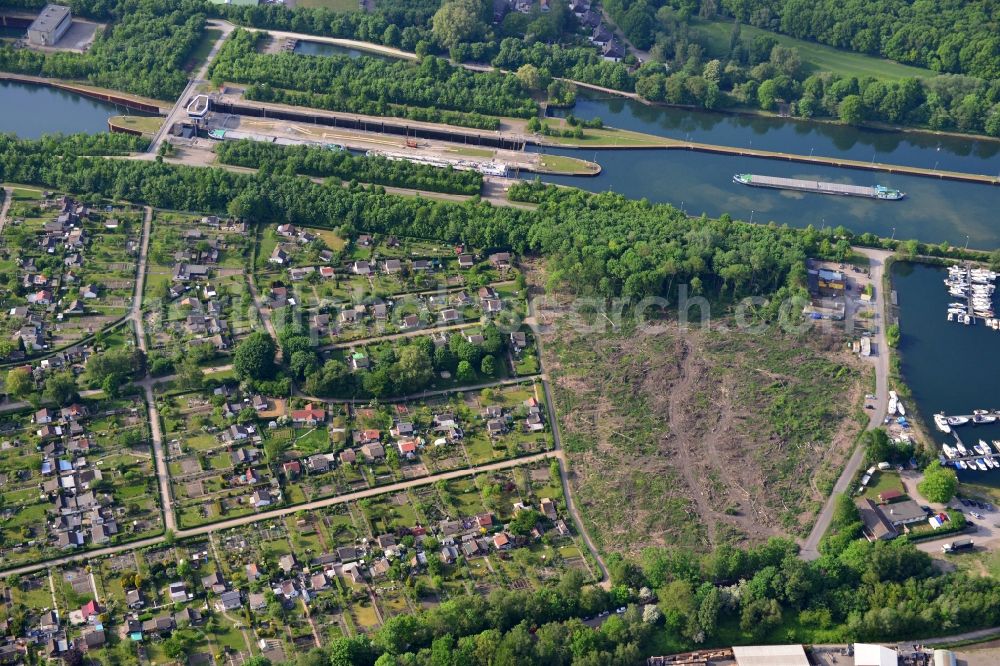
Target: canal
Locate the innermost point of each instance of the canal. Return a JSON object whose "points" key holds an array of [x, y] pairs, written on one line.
{"points": [[919, 149], [933, 210], [948, 367], [32, 110]]}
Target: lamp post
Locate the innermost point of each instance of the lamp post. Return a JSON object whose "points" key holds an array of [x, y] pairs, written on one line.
{"points": [[751, 216]]}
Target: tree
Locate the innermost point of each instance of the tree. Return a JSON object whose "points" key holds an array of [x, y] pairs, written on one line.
{"points": [[465, 372], [19, 383], [489, 366], [892, 335], [254, 357], [851, 110], [458, 21], [529, 76], [939, 483], [414, 369], [61, 388], [845, 511], [878, 448], [190, 374], [767, 94]]}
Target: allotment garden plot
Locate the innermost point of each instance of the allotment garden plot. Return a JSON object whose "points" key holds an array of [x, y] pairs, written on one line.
{"points": [[70, 269]]}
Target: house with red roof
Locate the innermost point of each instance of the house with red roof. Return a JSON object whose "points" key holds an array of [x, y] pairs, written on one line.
{"points": [[309, 415]]}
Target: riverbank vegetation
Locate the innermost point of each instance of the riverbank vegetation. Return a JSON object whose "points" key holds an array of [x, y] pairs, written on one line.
{"points": [[371, 85], [761, 73], [143, 51], [317, 161], [596, 244]]}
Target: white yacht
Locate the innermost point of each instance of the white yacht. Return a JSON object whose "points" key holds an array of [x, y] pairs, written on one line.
{"points": [[940, 420]]}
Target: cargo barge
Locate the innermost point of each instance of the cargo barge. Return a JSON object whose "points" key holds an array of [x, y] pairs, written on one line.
{"points": [[819, 187]]}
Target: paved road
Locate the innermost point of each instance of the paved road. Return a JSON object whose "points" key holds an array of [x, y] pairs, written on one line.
{"points": [[563, 464], [285, 511], [178, 111], [336, 41], [159, 457], [876, 258]]}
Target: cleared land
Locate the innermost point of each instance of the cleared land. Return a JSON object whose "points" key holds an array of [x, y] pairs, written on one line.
{"points": [[699, 438], [816, 57]]}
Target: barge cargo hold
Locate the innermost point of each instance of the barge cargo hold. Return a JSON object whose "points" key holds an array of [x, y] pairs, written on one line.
{"points": [[819, 187]]}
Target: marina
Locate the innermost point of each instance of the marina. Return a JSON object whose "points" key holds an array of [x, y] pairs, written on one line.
{"points": [[975, 287], [981, 456], [819, 187]]}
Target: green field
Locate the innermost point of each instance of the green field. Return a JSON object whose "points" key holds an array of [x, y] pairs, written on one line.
{"points": [[335, 5], [815, 57], [203, 48]]}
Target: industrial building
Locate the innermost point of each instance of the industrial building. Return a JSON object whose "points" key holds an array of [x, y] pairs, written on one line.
{"points": [[770, 655], [50, 25]]}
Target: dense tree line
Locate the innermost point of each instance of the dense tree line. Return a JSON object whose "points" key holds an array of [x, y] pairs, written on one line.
{"points": [[364, 84], [954, 36], [538, 41], [760, 73], [402, 367], [600, 244], [856, 591], [317, 161], [142, 52]]}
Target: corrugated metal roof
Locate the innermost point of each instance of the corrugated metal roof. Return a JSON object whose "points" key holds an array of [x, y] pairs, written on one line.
{"points": [[770, 655]]}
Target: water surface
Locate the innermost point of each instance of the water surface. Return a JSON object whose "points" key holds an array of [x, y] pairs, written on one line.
{"points": [[921, 149], [30, 110], [305, 47], [948, 367], [933, 211]]}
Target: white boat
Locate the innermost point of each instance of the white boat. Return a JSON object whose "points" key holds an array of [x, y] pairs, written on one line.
{"points": [[961, 449], [892, 406], [957, 420], [981, 465], [962, 464], [901, 409], [978, 449], [991, 463], [980, 412], [996, 445], [948, 451], [978, 420], [941, 421]]}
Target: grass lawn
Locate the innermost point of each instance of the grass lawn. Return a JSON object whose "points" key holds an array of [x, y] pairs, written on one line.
{"points": [[568, 165], [815, 57], [882, 481], [335, 5], [203, 48], [607, 136], [148, 125]]}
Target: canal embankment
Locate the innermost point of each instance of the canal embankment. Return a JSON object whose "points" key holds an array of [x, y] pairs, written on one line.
{"points": [[126, 100]]}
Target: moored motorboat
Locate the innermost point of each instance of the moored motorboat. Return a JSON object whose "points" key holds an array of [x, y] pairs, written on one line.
{"points": [[941, 421]]}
